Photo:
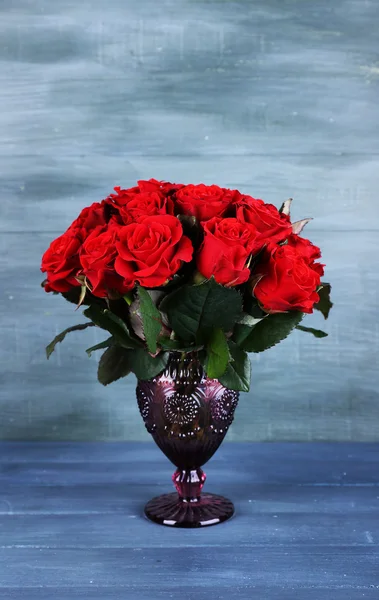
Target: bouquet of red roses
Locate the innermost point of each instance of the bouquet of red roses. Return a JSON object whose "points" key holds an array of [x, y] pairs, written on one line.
{"points": [[186, 268]]}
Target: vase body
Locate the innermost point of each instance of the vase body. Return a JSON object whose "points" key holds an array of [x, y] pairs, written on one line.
{"points": [[188, 416]]}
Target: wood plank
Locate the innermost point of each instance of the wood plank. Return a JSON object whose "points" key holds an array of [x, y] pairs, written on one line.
{"points": [[233, 83], [149, 569], [131, 453], [252, 464], [277, 98], [248, 529], [115, 498], [281, 111], [339, 191], [325, 536], [245, 592], [336, 391]]}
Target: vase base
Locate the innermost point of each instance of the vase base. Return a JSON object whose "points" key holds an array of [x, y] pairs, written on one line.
{"points": [[169, 510]]}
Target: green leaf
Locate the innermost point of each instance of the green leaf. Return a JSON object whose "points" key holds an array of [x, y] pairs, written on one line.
{"points": [[128, 298], [241, 333], [60, 337], [316, 332], [252, 308], [110, 322], [145, 366], [151, 319], [244, 327], [176, 345], [238, 372], [217, 354], [271, 330], [105, 344], [193, 310], [324, 305], [113, 365], [118, 362], [202, 357]]}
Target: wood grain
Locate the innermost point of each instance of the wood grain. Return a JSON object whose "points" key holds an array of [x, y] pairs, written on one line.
{"points": [[193, 592], [63, 498], [71, 524], [277, 98], [126, 531], [177, 568], [342, 198], [66, 463]]}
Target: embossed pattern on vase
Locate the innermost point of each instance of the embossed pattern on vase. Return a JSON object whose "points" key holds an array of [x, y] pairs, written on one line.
{"points": [[187, 413]]}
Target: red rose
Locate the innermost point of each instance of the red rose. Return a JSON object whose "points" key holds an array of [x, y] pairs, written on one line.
{"points": [[289, 277], [150, 197], [151, 251], [144, 204], [203, 201], [97, 258], [271, 225], [165, 187], [91, 217], [308, 250], [61, 260], [225, 250], [122, 197]]}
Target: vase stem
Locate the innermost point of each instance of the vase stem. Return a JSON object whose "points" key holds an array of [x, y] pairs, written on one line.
{"points": [[189, 484]]}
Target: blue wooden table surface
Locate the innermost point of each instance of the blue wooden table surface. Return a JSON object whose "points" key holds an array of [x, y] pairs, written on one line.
{"points": [[72, 525]]}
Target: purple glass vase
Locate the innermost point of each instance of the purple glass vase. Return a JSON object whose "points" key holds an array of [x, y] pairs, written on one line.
{"points": [[188, 416]]}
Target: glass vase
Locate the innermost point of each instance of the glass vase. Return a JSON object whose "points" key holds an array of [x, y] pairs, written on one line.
{"points": [[188, 416]]}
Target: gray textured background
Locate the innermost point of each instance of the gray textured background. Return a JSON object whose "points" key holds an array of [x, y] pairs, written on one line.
{"points": [[276, 97]]}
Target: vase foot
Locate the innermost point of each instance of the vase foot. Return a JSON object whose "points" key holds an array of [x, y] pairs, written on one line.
{"points": [[169, 510]]}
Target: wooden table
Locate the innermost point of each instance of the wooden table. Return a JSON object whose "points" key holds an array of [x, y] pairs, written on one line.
{"points": [[306, 524]]}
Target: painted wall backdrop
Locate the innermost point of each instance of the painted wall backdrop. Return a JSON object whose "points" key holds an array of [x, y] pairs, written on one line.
{"points": [[278, 98]]}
